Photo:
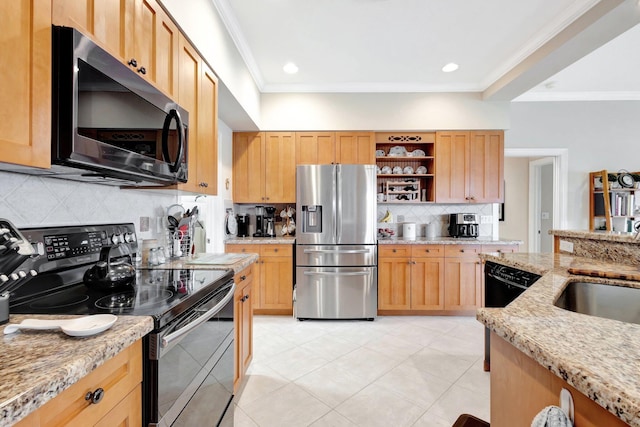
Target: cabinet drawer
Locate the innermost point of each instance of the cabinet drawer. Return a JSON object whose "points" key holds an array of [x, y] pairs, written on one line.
{"points": [[503, 249], [243, 278], [276, 250], [394, 251], [242, 249], [117, 377], [427, 251], [451, 251]]}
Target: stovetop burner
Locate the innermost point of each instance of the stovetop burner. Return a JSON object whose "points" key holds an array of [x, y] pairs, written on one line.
{"points": [[129, 300], [58, 302]]}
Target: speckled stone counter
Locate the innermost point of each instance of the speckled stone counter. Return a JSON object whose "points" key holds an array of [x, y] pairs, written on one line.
{"points": [[623, 248], [597, 356], [183, 264], [288, 240], [35, 366], [446, 241]]}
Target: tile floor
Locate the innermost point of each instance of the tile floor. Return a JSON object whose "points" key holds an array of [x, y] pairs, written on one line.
{"points": [[394, 371]]}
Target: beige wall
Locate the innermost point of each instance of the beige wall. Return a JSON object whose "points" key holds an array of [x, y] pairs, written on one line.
{"points": [[516, 205]]}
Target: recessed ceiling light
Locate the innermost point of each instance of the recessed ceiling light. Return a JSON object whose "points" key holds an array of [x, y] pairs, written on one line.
{"points": [[451, 66], [290, 68]]}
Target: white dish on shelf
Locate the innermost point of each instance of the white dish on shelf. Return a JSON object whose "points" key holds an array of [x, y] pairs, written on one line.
{"points": [[408, 170], [418, 153], [378, 170], [398, 151], [421, 170], [386, 170], [380, 153], [397, 170]]}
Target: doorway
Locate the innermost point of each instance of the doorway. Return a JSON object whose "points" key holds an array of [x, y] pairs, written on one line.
{"points": [[548, 183]]}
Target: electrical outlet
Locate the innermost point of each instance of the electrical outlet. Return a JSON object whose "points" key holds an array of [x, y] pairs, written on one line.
{"points": [[486, 219], [144, 223], [566, 246]]}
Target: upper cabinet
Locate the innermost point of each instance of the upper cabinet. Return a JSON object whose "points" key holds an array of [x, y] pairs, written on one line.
{"points": [[323, 148], [25, 83], [315, 148], [138, 32], [469, 166], [264, 167]]}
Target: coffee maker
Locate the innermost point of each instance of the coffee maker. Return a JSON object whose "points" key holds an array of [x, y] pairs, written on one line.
{"points": [[463, 225], [259, 221], [269, 222], [243, 225]]}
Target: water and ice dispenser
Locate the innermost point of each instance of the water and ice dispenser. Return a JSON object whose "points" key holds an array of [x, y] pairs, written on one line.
{"points": [[312, 218]]}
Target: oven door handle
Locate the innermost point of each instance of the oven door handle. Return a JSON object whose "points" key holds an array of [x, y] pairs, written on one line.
{"points": [[336, 273], [336, 251], [166, 341]]}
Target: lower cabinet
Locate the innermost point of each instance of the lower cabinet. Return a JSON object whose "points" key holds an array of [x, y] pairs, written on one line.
{"points": [[118, 381], [243, 300], [434, 279], [273, 284]]}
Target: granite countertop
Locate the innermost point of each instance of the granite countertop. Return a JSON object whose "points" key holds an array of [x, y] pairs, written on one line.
{"points": [[35, 366], [281, 240], [599, 357], [183, 264], [446, 241], [610, 236]]}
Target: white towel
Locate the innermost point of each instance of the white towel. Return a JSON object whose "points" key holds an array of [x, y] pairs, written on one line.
{"points": [[551, 416]]}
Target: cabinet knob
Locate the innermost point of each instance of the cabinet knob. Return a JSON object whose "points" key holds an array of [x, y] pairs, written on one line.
{"points": [[275, 250], [95, 396], [244, 298], [133, 62], [462, 250], [394, 251], [243, 278], [499, 250], [142, 70], [427, 250]]}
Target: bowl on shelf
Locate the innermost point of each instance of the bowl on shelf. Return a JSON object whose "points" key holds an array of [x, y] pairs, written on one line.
{"points": [[380, 153], [398, 151], [418, 153]]}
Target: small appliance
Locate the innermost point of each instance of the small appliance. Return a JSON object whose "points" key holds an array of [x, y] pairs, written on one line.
{"points": [[269, 221], [463, 225], [243, 225], [259, 222]]}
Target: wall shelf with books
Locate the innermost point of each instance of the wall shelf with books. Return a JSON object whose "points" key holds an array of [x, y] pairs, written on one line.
{"points": [[613, 200]]}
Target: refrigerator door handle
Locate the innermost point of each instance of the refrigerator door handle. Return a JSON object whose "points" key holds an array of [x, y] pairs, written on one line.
{"points": [[338, 211], [331, 251], [333, 273]]}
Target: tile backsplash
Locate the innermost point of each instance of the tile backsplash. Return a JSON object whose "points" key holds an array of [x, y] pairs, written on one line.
{"points": [[28, 201], [423, 214]]}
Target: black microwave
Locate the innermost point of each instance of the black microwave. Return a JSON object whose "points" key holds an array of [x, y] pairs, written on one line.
{"points": [[109, 125]]}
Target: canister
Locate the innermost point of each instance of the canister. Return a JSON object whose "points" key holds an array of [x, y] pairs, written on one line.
{"points": [[409, 230]]}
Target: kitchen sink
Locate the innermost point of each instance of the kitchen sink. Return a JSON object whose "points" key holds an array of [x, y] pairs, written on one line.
{"points": [[597, 299]]}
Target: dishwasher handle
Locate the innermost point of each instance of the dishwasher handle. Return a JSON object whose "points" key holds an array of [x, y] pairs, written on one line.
{"points": [[332, 251], [335, 273]]}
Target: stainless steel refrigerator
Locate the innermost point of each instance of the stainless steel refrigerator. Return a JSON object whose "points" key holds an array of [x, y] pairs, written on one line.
{"points": [[336, 247]]}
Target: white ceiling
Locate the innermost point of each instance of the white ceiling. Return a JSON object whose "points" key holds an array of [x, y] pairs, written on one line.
{"points": [[401, 46]]}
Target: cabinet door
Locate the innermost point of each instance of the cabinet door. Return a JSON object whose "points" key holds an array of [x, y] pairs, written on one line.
{"points": [[254, 249], [248, 169], [164, 71], [486, 171], [247, 327], [207, 145], [427, 284], [355, 148], [126, 413], [279, 167], [315, 148], [452, 165], [462, 278], [25, 82], [243, 319], [188, 99], [394, 283], [277, 283]]}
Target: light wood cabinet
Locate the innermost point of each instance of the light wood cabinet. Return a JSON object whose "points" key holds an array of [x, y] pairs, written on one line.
{"points": [[323, 148], [463, 277], [521, 387], [120, 380], [273, 272], [410, 277], [355, 148], [264, 168], [138, 32], [243, 300], [469, 166], [198, 94], [25, 83], [315, 148]]}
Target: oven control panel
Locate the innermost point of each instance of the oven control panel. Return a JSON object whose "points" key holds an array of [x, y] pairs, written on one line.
{"points": [[69, 246]]}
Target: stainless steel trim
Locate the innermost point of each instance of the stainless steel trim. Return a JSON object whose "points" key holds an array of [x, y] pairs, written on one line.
{"points": [[329, 273], [166, 341], [338, 172], [331, 251]]}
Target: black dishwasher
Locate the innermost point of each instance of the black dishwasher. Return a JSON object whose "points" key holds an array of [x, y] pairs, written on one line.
{"points": [[502, 284]]}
